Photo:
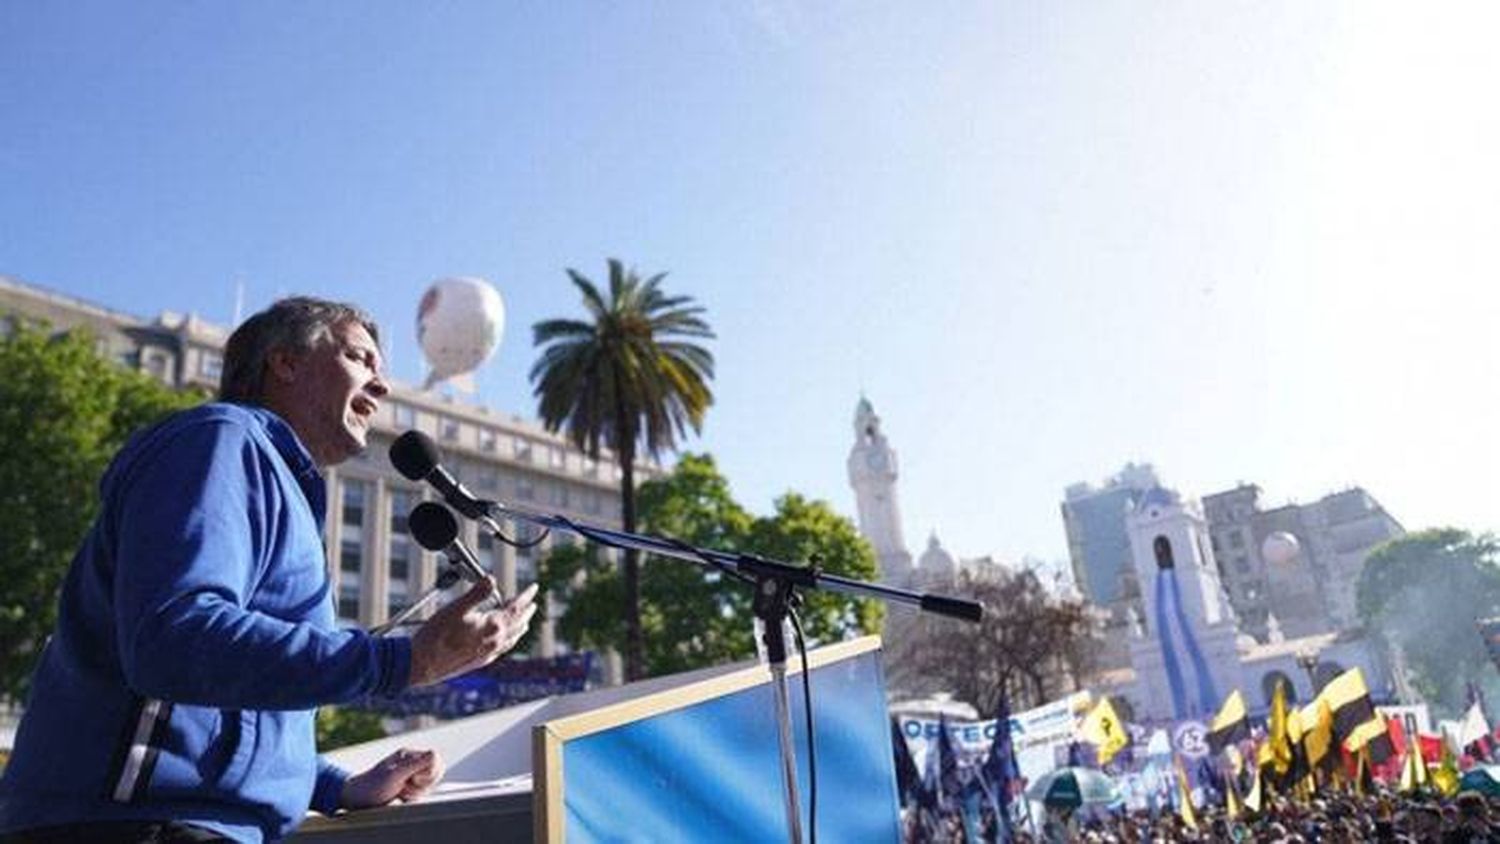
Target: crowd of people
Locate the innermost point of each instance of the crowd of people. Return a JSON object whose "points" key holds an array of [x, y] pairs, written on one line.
{"points": [[1332, 818]]}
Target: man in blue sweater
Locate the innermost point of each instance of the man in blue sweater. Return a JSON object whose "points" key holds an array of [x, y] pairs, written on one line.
{"points": [[196, 632]]}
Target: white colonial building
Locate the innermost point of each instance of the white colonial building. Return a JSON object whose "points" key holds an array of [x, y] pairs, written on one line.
{"points": [[1187, 651]]}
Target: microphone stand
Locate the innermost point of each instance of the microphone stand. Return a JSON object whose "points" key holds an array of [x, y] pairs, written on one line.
{"points": [[774, 583]]}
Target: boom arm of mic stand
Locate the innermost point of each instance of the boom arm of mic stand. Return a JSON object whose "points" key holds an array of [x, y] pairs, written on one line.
{"points": [[747, 564], [774, 582]]}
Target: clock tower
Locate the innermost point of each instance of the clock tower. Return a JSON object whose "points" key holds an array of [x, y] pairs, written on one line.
{"points": [[872, 473]]}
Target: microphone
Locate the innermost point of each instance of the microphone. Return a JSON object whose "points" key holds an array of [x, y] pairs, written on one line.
{"points": [[415, 456], [435, 529]]}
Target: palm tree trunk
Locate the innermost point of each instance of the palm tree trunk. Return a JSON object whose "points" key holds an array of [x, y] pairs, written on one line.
{"points": [[634, 642]]}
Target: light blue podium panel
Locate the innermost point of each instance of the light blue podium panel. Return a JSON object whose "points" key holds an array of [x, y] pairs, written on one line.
{"points": [[702, 762]]}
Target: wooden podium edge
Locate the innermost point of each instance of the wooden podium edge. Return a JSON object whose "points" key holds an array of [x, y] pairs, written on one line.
{"points": [[547, 738]]}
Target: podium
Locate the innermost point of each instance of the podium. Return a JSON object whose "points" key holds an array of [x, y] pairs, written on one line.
{"points": [[687, 757]]}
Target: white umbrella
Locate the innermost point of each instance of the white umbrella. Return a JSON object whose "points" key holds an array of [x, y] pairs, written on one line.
{"points": [[1073, 787]]}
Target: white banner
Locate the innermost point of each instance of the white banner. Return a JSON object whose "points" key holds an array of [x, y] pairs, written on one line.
{"points": [[1035, 733]]}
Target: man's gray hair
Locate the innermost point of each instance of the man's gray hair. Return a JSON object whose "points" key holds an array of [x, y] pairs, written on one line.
{"points": [[299, 323]]}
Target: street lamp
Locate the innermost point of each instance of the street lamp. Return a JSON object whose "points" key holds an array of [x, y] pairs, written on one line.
{"points": [[1309, 662]]}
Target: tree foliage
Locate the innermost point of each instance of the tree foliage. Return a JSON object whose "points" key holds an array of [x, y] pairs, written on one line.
{"points": [[628, 377], [64, 412], [694, 616], [1029, 643], [1423, 593], [339, 727]]}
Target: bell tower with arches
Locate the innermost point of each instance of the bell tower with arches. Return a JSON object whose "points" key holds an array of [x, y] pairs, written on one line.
{"points": [[1185, 657]]}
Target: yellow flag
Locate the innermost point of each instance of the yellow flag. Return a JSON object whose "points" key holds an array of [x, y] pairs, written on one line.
{"points": [[1278, 738], [1446, 775], [1348, 699], [1264, 755], [1445, 778], [1185, 799], [1102, 728], [1253, 800], [1317, 737], [1414, 769], [1230, 725]]}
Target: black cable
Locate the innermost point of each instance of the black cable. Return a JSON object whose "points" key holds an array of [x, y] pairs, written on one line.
{"points": [[716, 565], [722, 568], [812, 752], [516, 543]]}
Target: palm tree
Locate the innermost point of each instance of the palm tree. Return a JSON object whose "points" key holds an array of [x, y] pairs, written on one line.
{"points": [[628, 378]]}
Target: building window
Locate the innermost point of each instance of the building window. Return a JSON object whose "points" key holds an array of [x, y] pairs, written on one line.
{"points": [[1236, 539], [402, 502], [558, 457], [1163, 550], [403, 415], [523, 450], [591, 503], [396, 601], [525, 490], [590, 467], [487, 477], [351, 556], [1242, 564], [449, 429], [561, 497], [349, 603], [488, 440], [400, 559], [400, 548], [210, 364], [354, 503]]}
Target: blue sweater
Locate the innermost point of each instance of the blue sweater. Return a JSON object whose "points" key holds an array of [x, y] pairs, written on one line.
{"points": [[195, 636]]}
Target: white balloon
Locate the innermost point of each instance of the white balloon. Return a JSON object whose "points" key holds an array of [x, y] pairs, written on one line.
{"points": [[459, 325], [1280, 548]]}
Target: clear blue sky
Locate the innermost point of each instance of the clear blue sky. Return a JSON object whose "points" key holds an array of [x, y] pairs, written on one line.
{"points": [[1240, 241]]}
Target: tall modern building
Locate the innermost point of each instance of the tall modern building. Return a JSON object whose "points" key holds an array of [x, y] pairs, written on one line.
{"points": [[374, 563], [1098, 542], [1295, 567]]}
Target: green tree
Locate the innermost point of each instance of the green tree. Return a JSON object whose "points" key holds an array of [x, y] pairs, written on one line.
{"points": [[64, 412], [629, 378], [695, 616], [1423, 593], [338, 727]]}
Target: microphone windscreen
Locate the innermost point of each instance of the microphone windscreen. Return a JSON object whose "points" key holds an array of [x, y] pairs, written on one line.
{"points": [[414, 455], [432, 525]]}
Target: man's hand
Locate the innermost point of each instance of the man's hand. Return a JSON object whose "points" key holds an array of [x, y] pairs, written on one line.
{"points": [[405, 775], [460, 637]]}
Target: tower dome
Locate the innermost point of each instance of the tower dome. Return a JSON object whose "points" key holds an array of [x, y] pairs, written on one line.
{"points": [[936, 563]]}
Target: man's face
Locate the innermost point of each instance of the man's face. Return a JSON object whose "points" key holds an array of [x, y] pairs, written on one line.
{"points": [[331, 392]]}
